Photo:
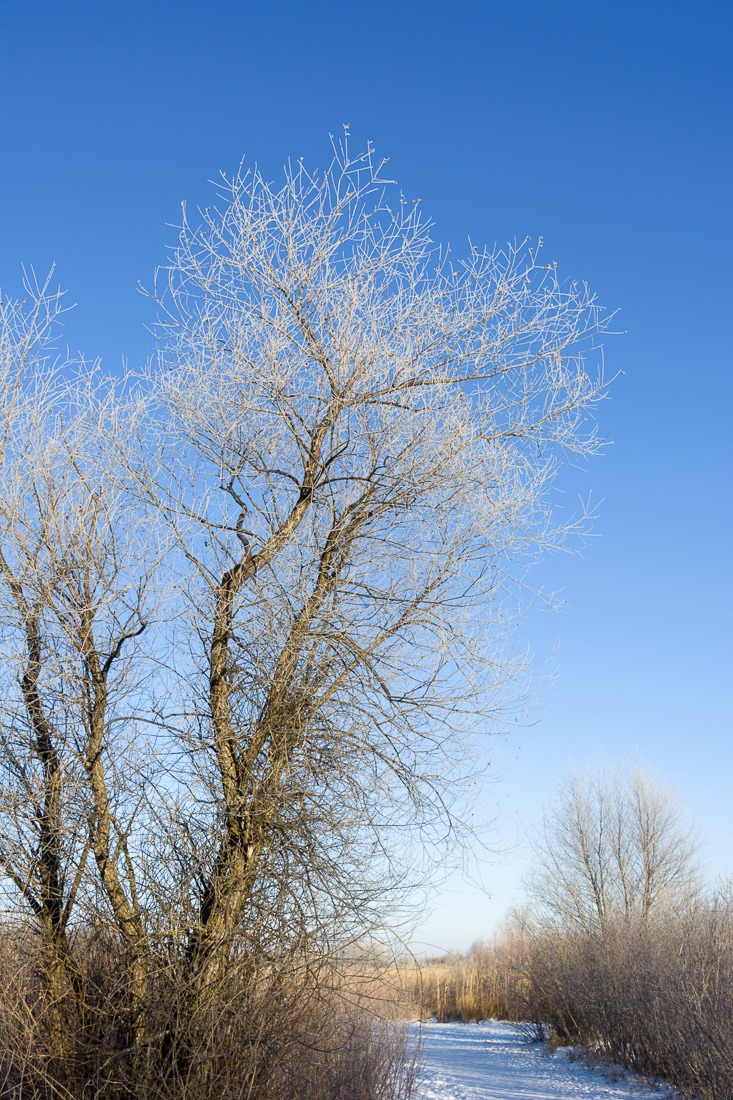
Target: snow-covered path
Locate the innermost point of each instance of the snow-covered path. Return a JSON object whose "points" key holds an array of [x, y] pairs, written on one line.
{"points": [[494, 1061]]}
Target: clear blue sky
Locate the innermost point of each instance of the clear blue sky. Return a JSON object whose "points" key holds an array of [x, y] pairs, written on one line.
{"points": [[605, 128]]}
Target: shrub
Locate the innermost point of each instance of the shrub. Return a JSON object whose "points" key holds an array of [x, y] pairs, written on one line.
{"points": [[295, 1031], [655, 996]]}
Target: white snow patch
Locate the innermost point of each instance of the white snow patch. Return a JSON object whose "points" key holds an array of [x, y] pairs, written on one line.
{"points": [[495, 1061]]}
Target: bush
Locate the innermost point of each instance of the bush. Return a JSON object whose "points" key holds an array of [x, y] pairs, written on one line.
{"points": [[655, 996], [295, 1031]]}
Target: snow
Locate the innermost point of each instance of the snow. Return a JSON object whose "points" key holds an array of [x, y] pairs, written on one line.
{"points": [[495, 1061]]}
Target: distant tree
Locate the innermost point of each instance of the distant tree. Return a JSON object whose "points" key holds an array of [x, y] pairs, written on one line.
{"points": [[614, 844]]}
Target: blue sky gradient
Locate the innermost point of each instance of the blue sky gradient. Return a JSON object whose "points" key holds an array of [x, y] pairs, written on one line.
{"points": [[604, 128]]}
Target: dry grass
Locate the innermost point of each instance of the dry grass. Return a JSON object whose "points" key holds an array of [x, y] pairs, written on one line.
{"points": [[479, 985]]}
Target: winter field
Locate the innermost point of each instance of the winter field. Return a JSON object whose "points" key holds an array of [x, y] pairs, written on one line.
{"points": [[494, 1061]]}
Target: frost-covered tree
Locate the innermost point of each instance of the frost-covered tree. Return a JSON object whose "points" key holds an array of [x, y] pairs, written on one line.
{"points": [[614, 844], [258, 589]]}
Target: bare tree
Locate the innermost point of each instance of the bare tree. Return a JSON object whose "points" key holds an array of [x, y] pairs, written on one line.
{"points": [[359, 438], [614, 845], [73, 604], [38, 859], [329, 489]]}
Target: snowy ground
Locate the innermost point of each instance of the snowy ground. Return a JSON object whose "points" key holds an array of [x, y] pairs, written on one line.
{"points": [[494, 1061]]}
